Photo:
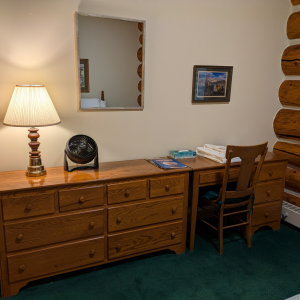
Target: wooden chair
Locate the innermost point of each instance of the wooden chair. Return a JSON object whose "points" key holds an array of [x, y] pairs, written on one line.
{"points": [[239, 201]]}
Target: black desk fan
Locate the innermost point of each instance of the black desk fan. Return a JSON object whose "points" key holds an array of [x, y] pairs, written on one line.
{"points": [[81, 149]]}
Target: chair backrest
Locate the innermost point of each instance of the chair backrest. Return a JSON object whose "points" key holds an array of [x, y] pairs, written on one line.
{"points": [[247, 179]]}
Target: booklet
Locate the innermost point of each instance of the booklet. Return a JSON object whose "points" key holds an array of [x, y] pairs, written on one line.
{"points": [[166, 163]]}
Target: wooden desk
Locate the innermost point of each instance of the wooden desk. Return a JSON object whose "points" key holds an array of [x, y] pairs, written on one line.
{"points": [[268, 195], [63, 221]]}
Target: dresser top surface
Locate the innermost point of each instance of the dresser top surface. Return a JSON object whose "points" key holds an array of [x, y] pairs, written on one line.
{"points": [[17, 180], [201, 163]]}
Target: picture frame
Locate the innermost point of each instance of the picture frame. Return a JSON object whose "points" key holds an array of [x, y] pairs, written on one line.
{"points": [[84, 76], [211, 84]]}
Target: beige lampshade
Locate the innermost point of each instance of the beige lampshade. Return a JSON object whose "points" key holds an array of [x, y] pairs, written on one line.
{"points": [[31, 106]]}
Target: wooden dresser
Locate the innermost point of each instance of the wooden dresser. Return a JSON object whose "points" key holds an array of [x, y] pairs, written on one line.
{"points": [[63, 221], [268, 194]]}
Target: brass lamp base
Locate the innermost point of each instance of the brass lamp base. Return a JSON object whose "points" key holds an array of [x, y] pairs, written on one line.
{"points": [[35, 168]]}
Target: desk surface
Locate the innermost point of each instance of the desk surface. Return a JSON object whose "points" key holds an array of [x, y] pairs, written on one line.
{"points": [[17, 180], [201, 163]]}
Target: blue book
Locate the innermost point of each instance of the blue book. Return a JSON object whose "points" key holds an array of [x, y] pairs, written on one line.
{"points": [[166, 163]]}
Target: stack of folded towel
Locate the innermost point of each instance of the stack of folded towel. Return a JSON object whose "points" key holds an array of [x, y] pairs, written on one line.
{"points": [[216, 153]]}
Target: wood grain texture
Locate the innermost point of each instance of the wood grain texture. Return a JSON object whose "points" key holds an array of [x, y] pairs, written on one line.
{"points": [[291, 199], [166, 186], [140, 71], [139, 100], [28, 206], [140, 86], [292, 149], [287, 124], [140, 54], [266, 213], [17, 180], [271, 171], [74, 199], [289, 93], [147, 213], [141, 39], [214, 177], [292, 179], [53, 230], [290, 62], [295, 2], [293, 26], [128, 191], [54, 259], [268, 191], [135, 241]]}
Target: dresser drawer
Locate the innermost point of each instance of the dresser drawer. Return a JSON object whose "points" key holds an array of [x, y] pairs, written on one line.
{"points": [[53, 230], [266, 213], [217, 176], [268, 191], [123, 192], [271, 171], [81, 198], [135, 215], [165, 186], [144, 240], [28, 206], [55, 259]]}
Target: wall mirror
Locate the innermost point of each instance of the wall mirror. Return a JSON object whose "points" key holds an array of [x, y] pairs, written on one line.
{"points": [[110, 60]]}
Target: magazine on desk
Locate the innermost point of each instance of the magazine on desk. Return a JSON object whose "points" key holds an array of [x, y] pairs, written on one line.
{"points": [[166, 163]]}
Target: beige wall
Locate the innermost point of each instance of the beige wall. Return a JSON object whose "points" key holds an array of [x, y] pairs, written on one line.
{"points": [[37, 47], [111, 47]]}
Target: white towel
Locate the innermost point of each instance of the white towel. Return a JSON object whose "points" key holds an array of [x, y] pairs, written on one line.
{"points": [[216, 148], [214, 155], [92, 102]]}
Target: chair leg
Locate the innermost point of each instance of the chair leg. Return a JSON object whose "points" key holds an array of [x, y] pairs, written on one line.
{"points": [[220, 230], [248, 230]]}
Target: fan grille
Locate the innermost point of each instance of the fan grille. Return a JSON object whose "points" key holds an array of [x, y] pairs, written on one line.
{"points": [[82, 146]]}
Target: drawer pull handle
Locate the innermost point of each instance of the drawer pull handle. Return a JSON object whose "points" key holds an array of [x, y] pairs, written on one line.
{"points": [[92, 224], [167, 188], [119, 247], [266, 215], [173, 235], [20, 237], [22, 267], [81, 199], [127, 192], [271, 173], [92, 253], [268, 193], [174, 209], [119, 219], [29, 206]]}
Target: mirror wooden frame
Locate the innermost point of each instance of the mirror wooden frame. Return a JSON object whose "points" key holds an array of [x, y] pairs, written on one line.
{"points": [[140, 69]]}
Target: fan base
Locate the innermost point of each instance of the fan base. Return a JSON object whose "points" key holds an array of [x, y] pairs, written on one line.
{"points": [[35, 168]]}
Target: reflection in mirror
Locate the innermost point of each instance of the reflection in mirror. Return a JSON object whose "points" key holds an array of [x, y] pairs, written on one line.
{"points": [[110, 55]]}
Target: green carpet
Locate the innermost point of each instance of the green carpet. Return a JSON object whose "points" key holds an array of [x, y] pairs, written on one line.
{"points": [[268, 270]]}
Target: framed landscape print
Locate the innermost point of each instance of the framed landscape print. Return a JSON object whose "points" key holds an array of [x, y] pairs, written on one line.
{"points": [[211, 84], [84, 76]]}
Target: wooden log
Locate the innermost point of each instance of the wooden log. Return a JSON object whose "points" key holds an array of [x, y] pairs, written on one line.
{"points": [[290, 62], [292, 179], [291, 199], [140, 70], [292, 149], [287, 124], [140, 54], [289, 93], [295, 2], [293, 26]]}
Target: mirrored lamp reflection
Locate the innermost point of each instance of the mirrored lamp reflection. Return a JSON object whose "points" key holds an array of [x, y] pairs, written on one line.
{"points": [[31, 106]]}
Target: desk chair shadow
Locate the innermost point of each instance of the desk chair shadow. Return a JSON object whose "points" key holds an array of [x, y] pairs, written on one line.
{"points": [[235, 200]]}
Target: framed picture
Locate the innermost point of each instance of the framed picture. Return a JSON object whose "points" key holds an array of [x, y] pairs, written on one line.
{"points": [[211, 84], [84, 76]]}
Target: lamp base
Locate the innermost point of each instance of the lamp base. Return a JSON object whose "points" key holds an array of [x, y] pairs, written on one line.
{"points": [[35, 168]]}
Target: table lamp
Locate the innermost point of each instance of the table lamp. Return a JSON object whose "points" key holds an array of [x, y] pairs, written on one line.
{"points": [[31, 106]]}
